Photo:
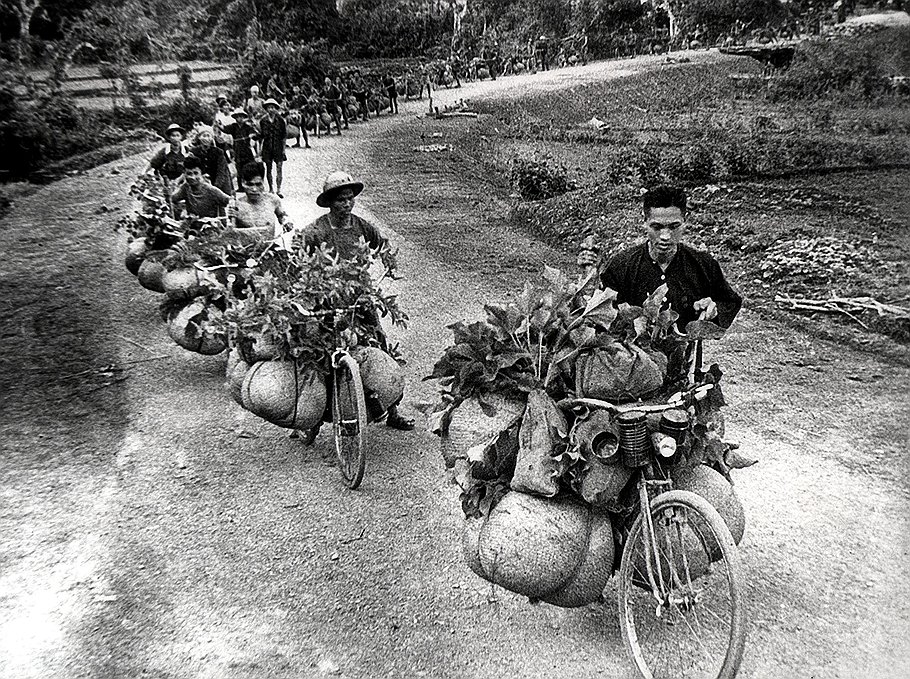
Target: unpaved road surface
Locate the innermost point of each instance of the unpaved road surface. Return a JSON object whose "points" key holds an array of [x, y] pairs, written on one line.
{"points": [[150, 527]]}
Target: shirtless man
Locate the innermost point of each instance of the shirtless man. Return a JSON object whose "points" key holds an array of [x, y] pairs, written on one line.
{"points": [[257, 213]]}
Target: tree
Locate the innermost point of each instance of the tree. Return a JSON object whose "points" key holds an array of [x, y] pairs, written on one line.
{"points": [[24, 11]]}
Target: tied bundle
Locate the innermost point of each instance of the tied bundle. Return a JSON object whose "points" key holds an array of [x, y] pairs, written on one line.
{"points": [[542, 485]]}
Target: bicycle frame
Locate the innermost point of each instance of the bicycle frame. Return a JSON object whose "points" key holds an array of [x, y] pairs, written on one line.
{"points": [[645, 484]]}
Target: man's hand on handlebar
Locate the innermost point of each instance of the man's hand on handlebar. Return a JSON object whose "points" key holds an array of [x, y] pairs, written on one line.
{"points": [[707, 308]]}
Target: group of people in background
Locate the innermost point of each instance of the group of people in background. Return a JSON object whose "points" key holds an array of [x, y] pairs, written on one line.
{"points": [[243, 147]]}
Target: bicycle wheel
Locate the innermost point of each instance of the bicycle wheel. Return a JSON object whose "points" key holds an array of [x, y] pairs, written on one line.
{"points": [[349, 421], [692, 623]]}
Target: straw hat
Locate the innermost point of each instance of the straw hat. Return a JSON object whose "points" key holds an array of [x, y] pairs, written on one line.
{"points": [[271, 102], [335, 182], [174, 126], [239, 112]]}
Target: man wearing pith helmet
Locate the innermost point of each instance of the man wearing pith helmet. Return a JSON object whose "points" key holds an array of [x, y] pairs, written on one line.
{"points": [[341, 230]]}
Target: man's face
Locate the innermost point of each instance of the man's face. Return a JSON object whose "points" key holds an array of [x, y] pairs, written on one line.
{"points": [[254, 187], [206, 139], [328, 82], [175, 138], [225, 107], [271, 110], [254, 91], [193, 176], [343, 202], [664, 227]]}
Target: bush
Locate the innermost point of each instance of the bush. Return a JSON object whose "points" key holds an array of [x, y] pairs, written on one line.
{"points": [[540, 179], [694, 165], [859, 67], [288, 63]]}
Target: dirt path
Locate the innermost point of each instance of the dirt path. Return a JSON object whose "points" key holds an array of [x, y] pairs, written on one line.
{"points": [[164, 532]]}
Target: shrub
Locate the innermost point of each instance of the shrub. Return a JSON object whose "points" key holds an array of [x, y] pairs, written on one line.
{"points": [[288, 63], [858, 66], [540, 179], [694, 165]]}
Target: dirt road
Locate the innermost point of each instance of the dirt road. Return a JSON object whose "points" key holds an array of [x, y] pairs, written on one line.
{"points": [[150, 527]]}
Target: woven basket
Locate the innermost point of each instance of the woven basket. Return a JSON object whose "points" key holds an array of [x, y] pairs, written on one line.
{"points": [[281, 393], [470, 425], [185, 331], [235, 372], [589, 582], [534, 546]]}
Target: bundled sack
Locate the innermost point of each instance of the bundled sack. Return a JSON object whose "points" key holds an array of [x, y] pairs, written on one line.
{"points": [[558, 551], [234, 372], [589, 581], [186, 280], [700, 547], [533, 546], [382, 376], [604, 475], [186, 329], [474, 423], [285, 394], [713, 487], [151, 270], [135, 255], [543, 428], [619, 372]]}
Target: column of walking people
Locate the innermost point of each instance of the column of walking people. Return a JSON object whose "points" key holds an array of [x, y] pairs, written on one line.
{"points": [[246, 145]]}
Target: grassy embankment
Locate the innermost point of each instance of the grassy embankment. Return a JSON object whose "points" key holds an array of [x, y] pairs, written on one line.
{"points": [[797, 182]]}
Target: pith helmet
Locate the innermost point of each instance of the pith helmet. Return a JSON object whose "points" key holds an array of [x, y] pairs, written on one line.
{"points": [[335, 182]]}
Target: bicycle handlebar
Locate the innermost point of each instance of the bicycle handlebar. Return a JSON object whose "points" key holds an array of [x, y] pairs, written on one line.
{"points": [[677, 400]]}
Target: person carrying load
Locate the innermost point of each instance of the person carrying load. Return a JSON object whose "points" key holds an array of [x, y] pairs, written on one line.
{"points": [[696, 286], [342, 231]]}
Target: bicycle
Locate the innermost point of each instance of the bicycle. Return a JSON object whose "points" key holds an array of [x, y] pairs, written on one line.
{"points": [[347, 398], [348, 403], [680, 585]]}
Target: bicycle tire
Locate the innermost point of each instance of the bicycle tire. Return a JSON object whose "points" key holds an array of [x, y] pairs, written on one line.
{"points": [[349, 421], [689, 521]]}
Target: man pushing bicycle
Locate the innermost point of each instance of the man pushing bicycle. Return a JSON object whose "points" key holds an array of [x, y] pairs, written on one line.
{"points": [[342, 231], [696, 285]]}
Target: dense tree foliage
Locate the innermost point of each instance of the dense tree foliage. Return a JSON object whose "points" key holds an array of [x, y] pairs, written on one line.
{"points": [[381, 28]]}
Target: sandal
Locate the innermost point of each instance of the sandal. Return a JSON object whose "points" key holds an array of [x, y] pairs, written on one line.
{"points": [[308, 436], [396, 421]]}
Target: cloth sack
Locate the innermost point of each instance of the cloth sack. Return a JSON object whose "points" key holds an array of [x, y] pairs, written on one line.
{"points": [[619, 372]]}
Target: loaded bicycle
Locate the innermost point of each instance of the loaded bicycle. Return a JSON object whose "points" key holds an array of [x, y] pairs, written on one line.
{"points": [[680, 581], [679, 592]]}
